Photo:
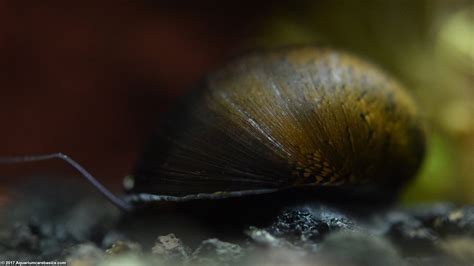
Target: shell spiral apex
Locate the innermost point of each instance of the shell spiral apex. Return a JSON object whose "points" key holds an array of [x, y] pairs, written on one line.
{"points": [[279, 119]]}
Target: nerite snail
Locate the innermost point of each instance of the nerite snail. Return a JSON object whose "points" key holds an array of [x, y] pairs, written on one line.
{"points": [[281, 119]]}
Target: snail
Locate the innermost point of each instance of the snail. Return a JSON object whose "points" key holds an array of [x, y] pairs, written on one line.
{"points": [[301, 117]]}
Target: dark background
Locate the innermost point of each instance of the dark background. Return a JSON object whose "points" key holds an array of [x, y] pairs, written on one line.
{"points": [[90, 78]]}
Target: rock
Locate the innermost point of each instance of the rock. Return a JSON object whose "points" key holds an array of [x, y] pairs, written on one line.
{"points": [[278, 256], [458, 221], [410, 234], [170, 248], [122, 247], [131, 259], [84, 255], [111, 237], [90, 219], [356, 248], [24, 237], [309, 223], [263, 237], [216, 252]]}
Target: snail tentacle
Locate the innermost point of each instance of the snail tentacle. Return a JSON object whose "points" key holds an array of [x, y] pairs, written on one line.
{"points": [[89, 177]]}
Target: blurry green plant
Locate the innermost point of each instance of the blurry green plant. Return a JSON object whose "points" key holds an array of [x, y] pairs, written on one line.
{"points": [[432, 183]]}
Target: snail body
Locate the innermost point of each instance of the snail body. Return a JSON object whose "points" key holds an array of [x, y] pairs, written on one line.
{"points": [[297, 117]]}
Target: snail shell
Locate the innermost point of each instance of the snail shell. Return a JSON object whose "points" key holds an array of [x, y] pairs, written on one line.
{"points": [[279, 119]]}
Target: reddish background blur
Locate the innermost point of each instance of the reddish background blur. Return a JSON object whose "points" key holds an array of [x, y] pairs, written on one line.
{"points": [[88, 78]]}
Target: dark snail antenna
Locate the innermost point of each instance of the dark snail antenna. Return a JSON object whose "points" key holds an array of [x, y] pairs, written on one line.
{"points": [[122, 204]]}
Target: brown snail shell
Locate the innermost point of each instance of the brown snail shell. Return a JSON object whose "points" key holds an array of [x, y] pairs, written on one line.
{"points": [[279, 119]]}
